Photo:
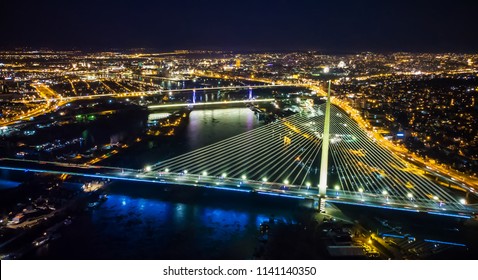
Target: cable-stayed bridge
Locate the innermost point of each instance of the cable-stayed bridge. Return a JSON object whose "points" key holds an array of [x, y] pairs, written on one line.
{"points": [[284, 158]]}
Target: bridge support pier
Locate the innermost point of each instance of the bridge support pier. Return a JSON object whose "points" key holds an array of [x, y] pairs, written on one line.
{"points": [[319, 204]]}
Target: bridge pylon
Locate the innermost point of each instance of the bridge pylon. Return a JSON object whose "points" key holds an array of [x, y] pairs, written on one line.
{"points": [[324, 162]]}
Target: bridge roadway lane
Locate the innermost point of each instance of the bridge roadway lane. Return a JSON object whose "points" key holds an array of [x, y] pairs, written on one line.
{"points": [[229, 184], [124, 174]]}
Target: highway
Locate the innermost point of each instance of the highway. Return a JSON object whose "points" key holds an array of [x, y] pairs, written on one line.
{"points": [[49, 101]]}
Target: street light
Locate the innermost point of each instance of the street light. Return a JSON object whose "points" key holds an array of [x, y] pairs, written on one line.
{"points": [[147, 168], [244, 177], [385, 193], [337, 189], [224, 175], [361, 193], [204, 173]]}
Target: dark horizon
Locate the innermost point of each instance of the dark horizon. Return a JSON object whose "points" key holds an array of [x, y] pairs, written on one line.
{"points": [[241, 26]]}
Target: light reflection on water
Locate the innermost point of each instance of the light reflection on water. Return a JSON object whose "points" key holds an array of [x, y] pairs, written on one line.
{"points": [[132, 227], [209, 126], [7, 184]]}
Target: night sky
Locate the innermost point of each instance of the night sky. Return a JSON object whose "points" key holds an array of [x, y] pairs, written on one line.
{"points": [[331, 26]]}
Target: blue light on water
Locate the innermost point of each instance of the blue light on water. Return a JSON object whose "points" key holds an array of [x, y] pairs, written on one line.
{"points": [[450, 215], [445, 243], [261, 219], [6, 184], [179, 214], [224, 223]]}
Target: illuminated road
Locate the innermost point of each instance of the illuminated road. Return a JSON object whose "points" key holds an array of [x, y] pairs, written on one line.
{"points": [[466, 182], [49, 101]]}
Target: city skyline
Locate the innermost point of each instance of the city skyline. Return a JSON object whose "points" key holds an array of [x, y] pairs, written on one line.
{"points": [[239, 130], [241, 25]]}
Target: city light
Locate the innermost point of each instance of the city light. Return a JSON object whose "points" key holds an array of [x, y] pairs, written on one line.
{"points": [[401, 127]]}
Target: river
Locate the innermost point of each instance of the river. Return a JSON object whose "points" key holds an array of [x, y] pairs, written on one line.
{"points": [[147, 221]]}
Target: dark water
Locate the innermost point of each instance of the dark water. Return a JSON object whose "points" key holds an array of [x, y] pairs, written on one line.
{"points": [[146, 223]]}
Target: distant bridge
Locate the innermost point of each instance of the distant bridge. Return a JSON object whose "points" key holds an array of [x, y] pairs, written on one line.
{"points": [[159, 92]]}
